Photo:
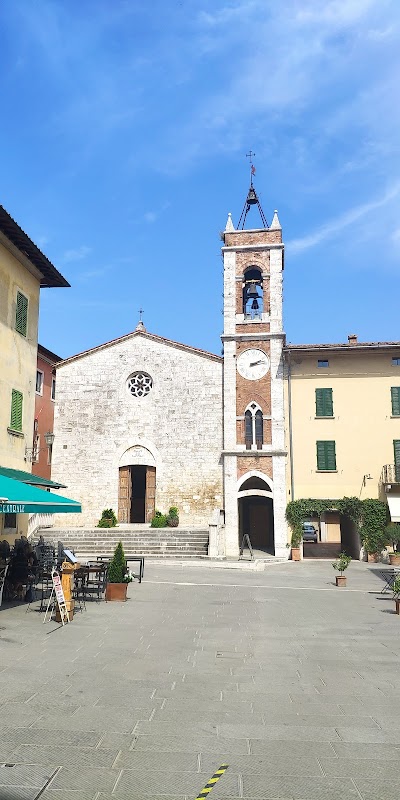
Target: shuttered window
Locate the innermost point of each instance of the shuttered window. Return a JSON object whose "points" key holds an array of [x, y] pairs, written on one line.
{"points": [[21, 315], [323, 403], [396, 448], [16, 410], [395, 390], [326, 456]]}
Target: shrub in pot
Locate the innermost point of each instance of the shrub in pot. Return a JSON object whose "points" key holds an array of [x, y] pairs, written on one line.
{"points": [[392, 532], [159, 520], [341, 565], [296, 540], [108, 519], [118, 576], [173, 517]]}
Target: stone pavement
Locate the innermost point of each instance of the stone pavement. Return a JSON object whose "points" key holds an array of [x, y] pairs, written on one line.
{"points": [[289, 680]]}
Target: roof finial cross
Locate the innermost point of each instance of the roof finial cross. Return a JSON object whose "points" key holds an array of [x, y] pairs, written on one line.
{"points": [[141, 312]]}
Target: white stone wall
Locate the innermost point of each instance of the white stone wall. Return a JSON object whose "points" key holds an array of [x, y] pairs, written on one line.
{"points": [[179, 422]]}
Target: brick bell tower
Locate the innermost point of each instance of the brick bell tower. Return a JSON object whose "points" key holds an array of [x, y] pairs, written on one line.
{"points": [[254, 454]]}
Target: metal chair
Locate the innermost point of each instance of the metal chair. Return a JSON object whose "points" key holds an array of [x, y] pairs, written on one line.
{"points": [[3, 575], [97, 585], [389, 576]]}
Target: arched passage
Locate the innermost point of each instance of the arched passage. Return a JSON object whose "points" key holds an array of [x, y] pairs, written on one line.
{"points": [[256, 512]]}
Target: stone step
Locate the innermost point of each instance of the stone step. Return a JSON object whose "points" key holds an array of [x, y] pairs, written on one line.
{"points": [[152, 542]]}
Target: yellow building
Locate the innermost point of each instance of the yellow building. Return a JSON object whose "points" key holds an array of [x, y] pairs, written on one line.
{"points": [[343, 424], [24, 270]]}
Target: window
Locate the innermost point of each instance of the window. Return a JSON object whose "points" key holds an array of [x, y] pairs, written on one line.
{"points": [[21, 315], [53, 388], [396, 448], [140, 384], [323, 362], [253, 420], [323, 403], [16, 410], [39, 381], [395, 362], [395, 392], [36, 448], [49, 453], [10, 521], [326, 456]]}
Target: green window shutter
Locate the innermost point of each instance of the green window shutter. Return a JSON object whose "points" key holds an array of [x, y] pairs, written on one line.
{"points": [[326, 456], [16, 410], [323, 403], [395, 391], [21, 316], [396, 448]]}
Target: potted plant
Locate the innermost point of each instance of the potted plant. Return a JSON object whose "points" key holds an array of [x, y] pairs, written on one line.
{"points": [[118, 576], [108, 519], [173, 518], [159, 520], [341, 565], [392, 532], [297, 538]]}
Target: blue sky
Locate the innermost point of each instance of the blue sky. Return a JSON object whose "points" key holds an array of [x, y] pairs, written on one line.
{"points": [[123, 139]]}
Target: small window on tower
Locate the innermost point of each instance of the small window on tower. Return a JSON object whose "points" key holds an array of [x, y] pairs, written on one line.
{"points": [[254, 428], [323, 362], [253, 293]]}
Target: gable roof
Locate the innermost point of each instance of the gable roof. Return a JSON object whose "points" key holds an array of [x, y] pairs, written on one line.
{"points": [[51, 277], [152, 336]]}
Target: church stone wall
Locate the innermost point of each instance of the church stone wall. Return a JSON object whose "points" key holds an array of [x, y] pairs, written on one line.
{"points": [[179, 422]]}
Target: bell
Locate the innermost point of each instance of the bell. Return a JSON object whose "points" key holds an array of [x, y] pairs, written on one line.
{"points": [[252, 198], [251, 290], [255, 305]]}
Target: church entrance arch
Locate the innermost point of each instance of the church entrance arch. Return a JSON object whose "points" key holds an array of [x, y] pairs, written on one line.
{"points": [[256, 512], [137, 486]]}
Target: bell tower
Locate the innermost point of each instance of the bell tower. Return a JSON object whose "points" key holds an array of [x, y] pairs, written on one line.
{"points": [[254, 454]]}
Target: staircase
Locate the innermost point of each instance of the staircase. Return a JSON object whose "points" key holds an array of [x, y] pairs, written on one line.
{"points": [[88, 543]]}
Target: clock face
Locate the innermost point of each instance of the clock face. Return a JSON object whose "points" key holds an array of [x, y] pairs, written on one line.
{"points": [[253, 364]]}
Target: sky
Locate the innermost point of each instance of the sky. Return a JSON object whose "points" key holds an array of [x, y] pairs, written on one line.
{"points": [[124, 132]]}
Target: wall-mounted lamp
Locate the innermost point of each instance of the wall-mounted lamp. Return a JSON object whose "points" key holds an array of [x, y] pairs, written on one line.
{"points": [[31, 452], [367, 478]]}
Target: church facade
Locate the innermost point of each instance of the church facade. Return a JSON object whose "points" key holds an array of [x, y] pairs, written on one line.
{"points": [[143, 423]]}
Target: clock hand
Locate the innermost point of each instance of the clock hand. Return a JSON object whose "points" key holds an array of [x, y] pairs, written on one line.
{"points": [[254, 363]]}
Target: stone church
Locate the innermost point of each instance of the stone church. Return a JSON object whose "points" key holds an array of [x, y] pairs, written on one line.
{"points": [[145, 423]]}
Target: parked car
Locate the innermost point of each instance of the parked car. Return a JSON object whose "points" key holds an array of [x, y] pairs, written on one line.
{"points": [[309, 532]]}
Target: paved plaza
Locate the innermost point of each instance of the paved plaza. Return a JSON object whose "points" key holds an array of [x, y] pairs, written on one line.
{"points": [[289, 680]]}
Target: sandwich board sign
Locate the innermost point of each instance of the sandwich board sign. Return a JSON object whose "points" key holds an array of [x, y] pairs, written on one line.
{"points": [[57, 596]]}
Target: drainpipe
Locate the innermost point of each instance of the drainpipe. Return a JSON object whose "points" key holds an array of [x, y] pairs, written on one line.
{"points": [[290, 426]]}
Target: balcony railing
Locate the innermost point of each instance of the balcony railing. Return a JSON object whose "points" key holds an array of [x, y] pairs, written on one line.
{"points": [[390, 474]]}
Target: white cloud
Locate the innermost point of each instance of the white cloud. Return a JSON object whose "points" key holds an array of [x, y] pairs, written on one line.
{"points": [[335, 226], [77, 254]]}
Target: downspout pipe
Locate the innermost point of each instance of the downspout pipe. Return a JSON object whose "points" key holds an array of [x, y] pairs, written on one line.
{"points": [[290, 420]]}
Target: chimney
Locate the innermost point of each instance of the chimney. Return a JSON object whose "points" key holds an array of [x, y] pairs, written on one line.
{"points": [[353, 339]]}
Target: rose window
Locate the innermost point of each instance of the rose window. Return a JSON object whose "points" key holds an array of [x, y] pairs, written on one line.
{"points": [[140, 384]]}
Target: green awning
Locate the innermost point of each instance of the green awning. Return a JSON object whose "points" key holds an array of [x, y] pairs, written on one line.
{"points": [[29, 477], [20, 498]]}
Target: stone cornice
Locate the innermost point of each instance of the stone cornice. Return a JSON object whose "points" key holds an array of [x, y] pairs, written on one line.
{"points": [[246, 247], [251, 337], [255, 453]]}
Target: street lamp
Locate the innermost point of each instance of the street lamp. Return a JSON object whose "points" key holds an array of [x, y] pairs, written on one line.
{"points": [[31, 452]]}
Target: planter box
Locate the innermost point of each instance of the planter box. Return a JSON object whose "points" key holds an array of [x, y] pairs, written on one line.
{"points": [[397, 606], [116, 592], [341, 580], [374, 558], [296, 554], [394, 559]]}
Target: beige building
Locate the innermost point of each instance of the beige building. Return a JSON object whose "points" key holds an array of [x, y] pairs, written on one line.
{"points": [[343, 423], [24, 270]]}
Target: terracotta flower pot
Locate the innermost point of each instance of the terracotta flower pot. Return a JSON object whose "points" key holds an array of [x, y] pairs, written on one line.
{"points": [[341, 580], [397, 606], [394, 559], [116, 591], [373, 558], [295, 553]]}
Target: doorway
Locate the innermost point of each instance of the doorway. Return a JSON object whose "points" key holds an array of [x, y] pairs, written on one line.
{"points": [[256, 518], [137, 493]]}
